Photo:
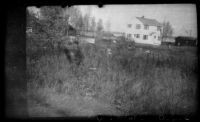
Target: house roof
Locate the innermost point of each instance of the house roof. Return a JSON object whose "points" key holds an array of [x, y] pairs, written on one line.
{"points": [[150, 22], [185, 38]]}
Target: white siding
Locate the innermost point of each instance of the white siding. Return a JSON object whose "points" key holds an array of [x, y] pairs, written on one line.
{"points": [[151, 32]]}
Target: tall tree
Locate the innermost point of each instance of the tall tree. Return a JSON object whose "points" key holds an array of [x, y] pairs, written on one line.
{"points": [[54, 24], [80, 23], [93, 24], [86, 21], [167, 29], [36, 36], [75, 17], [100, 25]]}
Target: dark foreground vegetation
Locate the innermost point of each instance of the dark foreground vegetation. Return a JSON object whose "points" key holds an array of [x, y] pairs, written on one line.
{"points": [[130, 81]]}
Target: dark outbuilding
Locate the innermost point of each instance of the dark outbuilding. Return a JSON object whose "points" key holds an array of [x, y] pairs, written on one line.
{"points": [[185, 41]]}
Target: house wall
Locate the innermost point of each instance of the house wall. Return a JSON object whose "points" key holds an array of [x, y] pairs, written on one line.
{"points": [[152, 29]]}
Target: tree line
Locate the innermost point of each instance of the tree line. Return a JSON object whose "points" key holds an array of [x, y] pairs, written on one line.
{"points": [[52, 23]]}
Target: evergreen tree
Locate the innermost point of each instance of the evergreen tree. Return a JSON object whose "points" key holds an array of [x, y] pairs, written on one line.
{"points": [[100, 25]]}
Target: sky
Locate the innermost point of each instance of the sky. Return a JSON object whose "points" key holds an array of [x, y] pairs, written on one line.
{"points": [[183, 17]]}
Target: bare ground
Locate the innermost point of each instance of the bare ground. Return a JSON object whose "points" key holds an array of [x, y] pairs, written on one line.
{"points": [[67, 106]]}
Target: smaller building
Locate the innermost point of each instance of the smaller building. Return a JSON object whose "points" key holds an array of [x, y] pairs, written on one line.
{"points": [[86, 39], [91, 34], [169, 40], [118, 34], [70, 31], [86, 36], [185, 41]]}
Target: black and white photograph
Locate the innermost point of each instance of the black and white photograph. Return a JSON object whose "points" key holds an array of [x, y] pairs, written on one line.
{"points": [[117, 60]]}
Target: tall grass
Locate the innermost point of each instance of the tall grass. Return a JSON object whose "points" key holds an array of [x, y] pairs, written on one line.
{"points": [[130, 81]]}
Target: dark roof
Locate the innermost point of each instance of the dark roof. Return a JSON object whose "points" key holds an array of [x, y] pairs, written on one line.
{"points": [[169, 37], [186, 38], [150, 22]]}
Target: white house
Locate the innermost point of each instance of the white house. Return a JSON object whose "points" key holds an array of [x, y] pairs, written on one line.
{"points": [[144, 30]]}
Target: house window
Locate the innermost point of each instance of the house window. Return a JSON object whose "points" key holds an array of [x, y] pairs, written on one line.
{"points": [[158, 28], [137, 26], [145, 37], [129, 35], [129, 25], [137, 35], [146, 27]]}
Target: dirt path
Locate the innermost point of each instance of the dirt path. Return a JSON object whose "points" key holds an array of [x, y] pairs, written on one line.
{"points": [[70, 107]]}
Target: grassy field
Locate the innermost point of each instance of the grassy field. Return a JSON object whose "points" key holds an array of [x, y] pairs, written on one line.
{"points": [[128, 82]]}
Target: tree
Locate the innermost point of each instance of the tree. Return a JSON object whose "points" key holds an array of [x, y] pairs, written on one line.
{"points": [[80, 23], [167, 29], [30, 18], [86, 20], [100, 25], [93, 24], [54, 23], [38, 37], [75, 17], [31, 21]]}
